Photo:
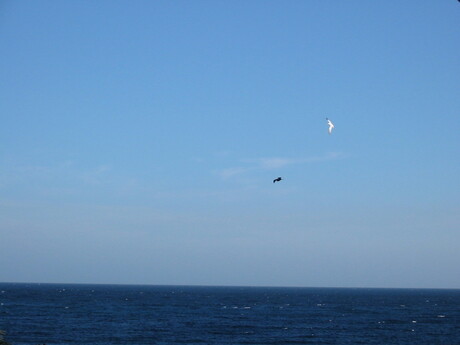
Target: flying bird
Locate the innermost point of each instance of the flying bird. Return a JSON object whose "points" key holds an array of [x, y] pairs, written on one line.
{"points": [[331, 125], [278, 179]]}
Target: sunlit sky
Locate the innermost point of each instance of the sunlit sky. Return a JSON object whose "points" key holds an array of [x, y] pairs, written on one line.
{"points": [[139, 141]]}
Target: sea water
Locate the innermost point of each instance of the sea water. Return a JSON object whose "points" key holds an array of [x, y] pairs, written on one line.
{"points": [[118, 314]]}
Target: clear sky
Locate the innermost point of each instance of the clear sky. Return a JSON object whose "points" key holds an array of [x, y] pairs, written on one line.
{"points": [[139, 141]]}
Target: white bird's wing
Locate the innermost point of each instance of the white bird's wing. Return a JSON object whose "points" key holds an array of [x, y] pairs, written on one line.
{"points": [[331, 125]]}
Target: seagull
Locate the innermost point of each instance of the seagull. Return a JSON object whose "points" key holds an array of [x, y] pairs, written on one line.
{"points": [[278, 179], [331, 125]]}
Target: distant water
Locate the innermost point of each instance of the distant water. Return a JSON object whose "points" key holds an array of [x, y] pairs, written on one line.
{"points": [[134, 315]]}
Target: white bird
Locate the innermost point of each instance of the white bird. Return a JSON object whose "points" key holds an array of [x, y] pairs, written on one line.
{"points": [[331, 125]]}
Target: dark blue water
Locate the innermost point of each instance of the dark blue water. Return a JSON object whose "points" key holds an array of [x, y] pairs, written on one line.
{"points": [[110, 314]]}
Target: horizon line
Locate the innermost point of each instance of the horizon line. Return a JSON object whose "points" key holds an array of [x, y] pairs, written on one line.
{"points": [[239, 286]]}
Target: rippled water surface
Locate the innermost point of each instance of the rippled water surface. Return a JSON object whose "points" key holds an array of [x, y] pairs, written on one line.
{"points": [[117, 314]]}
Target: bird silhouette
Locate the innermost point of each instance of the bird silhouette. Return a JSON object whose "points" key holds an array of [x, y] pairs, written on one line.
{"points": [[331, 125]]}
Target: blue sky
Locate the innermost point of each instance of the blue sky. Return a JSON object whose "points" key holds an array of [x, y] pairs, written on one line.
{"points": [[139, 141]]}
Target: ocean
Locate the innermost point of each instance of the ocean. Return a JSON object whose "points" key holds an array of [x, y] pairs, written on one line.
{"points": [[58, 314]]}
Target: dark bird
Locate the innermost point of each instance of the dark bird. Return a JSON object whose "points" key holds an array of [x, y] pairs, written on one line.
{"points": [[278, 179]]}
